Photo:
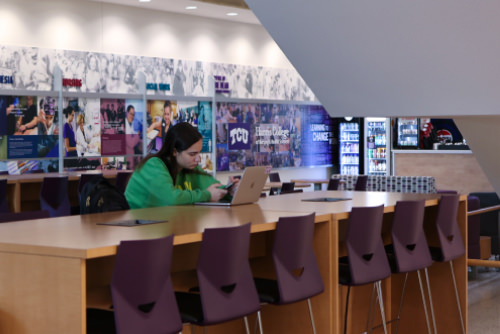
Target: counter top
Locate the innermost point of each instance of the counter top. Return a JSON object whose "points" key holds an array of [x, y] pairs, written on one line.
{"points": [[432, 151]]}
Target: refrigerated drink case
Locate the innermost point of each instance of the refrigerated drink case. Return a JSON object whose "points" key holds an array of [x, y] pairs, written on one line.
{"points": [[349, 148], [377, 160], [407, 133]]}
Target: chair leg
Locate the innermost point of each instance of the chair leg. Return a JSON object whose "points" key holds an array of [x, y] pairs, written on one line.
{"points": [[247, 328], [458, 298], [401, 304], [260, 322], [369, 321], [430, 300], [424, 303], [311, 315], [346, 308], [381, 304]]}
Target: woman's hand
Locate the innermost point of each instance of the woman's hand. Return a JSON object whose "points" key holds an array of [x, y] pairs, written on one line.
{"points": [[236, 182], [216, 193]]}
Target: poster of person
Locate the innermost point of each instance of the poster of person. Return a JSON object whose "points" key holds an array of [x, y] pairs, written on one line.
{"points": [[161, 115], [22, 115], [134, 114], [112, 116], [199, 115], [48, 128], [81, 129]]}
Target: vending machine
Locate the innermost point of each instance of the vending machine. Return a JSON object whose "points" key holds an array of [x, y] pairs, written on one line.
{"points": [[406, 133], [350, 146], [377, 137]]}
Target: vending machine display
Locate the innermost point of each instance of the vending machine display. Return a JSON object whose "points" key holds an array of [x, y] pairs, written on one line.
{"points": [[349, 148], [377, 146], [407, 133]]}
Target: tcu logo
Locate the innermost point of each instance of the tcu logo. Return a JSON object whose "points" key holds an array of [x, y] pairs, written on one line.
{"points": [[239, 135]]}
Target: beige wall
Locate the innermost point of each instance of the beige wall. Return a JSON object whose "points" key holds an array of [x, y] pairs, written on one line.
{"points": [[459, 172]]}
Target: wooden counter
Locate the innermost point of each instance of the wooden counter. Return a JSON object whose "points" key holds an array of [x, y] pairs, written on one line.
{"points": [[52, 269]]}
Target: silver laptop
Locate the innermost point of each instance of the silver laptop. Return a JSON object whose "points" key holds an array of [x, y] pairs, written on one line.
{"points": [[249, 189]]}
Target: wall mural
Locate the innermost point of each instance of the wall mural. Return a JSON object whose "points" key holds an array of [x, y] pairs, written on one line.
{"points": [[115, 133]]}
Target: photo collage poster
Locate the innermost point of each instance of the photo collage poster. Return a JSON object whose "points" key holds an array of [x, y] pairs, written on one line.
{"points": [[28, 130], [280, 135], [119, 141], [163, 114], [105, 133]]}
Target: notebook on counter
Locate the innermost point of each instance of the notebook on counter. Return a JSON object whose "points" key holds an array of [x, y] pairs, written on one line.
{"points": [[250, 186]]}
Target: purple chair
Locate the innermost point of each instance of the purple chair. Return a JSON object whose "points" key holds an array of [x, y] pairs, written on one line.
{"points": [[450, 239], [287, 187], [226, 287], [409, 251], [4, 205], [54, 196], [142, 292], [366, 261], [274, 177], [333, 184], [24, 215], [122, 180], [446, 191], [297, 272], [361, 183]]}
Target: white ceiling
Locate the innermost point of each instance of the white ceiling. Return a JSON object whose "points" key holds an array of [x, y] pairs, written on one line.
{"points": [[204, 9]]}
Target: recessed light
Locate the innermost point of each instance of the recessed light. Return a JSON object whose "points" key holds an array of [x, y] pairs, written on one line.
{"points": [[232, 14], [144, 0], [191, 7]]}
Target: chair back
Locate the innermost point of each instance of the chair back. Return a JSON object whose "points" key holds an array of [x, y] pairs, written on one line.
{"points": [[4, 204], [361, 182], [54, 196], [473, 229], [446, 191], [84, 178], [333, 184], [287, 187], [408, 237], [274, 177], [450, 239], [122, 180], [141, 287], [297, 270], [23, 215], [227, 288], [366, 253]]}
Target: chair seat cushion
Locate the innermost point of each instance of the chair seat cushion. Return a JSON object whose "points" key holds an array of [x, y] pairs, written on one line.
{"points": [[190, 307], [268, 290]]}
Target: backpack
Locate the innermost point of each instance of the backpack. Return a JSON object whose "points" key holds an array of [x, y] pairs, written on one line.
{"points": [[99, 195]]}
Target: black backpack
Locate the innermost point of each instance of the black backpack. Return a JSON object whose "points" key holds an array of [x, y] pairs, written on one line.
{"points": [[99, 195]]}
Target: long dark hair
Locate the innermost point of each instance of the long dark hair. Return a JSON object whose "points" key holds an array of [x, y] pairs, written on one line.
{"points": [[179, 137]]}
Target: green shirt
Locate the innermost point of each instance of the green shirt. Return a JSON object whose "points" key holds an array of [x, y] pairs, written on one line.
{"points": [[152, 185]]}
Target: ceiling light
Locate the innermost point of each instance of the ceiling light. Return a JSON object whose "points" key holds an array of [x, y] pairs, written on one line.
{"points": [[191, 7], [144, 0], [232, 14]]}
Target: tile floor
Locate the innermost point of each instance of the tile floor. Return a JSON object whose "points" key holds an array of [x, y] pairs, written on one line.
{"points": [[484, 302]]}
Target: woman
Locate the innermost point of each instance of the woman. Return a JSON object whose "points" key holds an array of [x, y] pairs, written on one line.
{"points": [[172, 176], [68, 133], [82, 138]]}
